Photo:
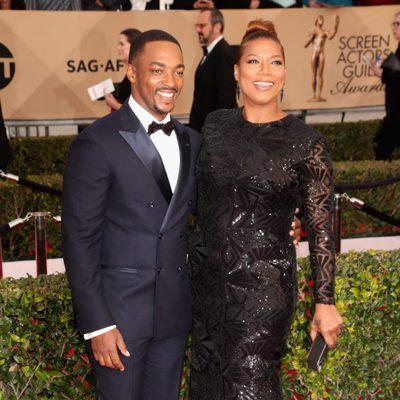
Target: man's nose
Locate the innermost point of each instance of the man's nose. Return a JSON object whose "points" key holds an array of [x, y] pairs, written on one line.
{"points": [[169, 80]]}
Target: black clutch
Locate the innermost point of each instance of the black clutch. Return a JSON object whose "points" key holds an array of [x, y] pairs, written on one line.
{"points": [[317, 353]]}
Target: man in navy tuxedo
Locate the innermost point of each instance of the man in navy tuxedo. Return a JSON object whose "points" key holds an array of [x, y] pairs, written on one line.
{"points": [[129, 187]]}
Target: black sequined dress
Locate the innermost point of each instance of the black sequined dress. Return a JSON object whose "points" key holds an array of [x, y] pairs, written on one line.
{"points": [[251, 177]]}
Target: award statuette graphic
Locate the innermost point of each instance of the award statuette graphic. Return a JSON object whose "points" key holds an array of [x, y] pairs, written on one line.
{"points": [[317, 39]]}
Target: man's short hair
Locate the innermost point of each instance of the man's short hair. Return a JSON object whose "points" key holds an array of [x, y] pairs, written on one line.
{"points": [[216, 17], [153, 35]]}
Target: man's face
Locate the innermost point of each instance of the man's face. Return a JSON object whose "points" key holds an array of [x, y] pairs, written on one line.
{"points": [[156, 77], [204, 29]]}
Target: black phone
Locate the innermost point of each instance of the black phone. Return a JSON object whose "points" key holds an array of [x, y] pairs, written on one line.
{"points": [[317, 353]]}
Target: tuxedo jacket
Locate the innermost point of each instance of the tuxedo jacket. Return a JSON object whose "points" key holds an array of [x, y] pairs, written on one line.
{"points": [[124, 244], [214, 84]]}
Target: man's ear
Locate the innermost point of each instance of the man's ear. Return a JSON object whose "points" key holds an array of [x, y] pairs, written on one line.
{"points": [[217, 28], [131, 73]]}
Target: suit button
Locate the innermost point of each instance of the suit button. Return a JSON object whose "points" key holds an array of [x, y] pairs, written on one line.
{"points": [[179, 269], [159, 269], [181, 236], [151, 204], [190, 202], [160, 236]]}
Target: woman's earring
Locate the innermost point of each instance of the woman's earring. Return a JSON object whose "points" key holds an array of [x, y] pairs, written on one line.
{"points": [[282, 92], [237, 90]]}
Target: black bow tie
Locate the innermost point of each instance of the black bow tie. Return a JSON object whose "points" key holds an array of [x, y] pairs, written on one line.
{"points": [[166, 128], [205, 51]]}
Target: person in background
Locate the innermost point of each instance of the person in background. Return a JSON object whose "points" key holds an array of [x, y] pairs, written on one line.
{"points": [[327, 3], [388, 138], [214, 84], [223, 4], [5, 148], [123, 89], [374, 2], [106, 5], [54, 5], [256, 164], [251, 4]]}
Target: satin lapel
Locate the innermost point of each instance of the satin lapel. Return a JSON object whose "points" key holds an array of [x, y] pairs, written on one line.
{"points": [[185, 154], [139, 141]]}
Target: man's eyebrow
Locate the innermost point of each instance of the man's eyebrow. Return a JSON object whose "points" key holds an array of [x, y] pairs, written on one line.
{"points": [[160, 64]]}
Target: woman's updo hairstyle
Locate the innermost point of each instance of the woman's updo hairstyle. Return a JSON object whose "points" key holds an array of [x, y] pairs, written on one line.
{"points": [[259, 29]]}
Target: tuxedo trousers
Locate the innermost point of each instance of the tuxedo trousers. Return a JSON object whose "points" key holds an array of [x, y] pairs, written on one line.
{"points": [[152, 372]]}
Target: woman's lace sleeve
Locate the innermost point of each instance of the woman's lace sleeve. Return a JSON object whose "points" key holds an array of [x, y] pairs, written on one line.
{"points": [[317, 201]]}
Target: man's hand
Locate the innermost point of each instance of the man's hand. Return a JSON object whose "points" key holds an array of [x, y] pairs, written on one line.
{"points": [[296, 230], [254, 4], [198, 4], [105, 349]]}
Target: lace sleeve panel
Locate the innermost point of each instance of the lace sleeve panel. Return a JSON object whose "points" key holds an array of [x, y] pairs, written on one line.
{"points": [[317, 200]]}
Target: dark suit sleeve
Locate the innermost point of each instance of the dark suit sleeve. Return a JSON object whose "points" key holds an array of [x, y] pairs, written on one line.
{"points": [[228, 4], [86, 183], [5, 148], [225, 81]]}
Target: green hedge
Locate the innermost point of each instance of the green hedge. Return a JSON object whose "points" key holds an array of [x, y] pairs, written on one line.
{"points": [[352, 141], [16, 201], [46, 156], [42, 356], [39, 156]]}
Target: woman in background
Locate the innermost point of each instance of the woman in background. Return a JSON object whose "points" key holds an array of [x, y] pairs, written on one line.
{"points": [[388, 137], [123, 89], [256, 165]]}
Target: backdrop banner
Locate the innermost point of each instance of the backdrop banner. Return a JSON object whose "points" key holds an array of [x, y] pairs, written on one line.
{"points": [[49, 59]]}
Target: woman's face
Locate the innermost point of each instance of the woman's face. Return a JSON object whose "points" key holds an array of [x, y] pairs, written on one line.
{"points": [[123, 48], [396, 27], [261, 72]]}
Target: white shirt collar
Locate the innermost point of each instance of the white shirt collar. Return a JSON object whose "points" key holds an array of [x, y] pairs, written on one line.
{"points": [[143, 115], [211, 46]]}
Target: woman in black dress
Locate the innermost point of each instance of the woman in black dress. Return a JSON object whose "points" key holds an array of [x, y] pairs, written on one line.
{"points": [[123, 89], [388, 138], [257, 164]]}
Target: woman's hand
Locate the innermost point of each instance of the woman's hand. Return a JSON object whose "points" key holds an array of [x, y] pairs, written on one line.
{"points": [[111, 101], [328, 322], [376, 68]]}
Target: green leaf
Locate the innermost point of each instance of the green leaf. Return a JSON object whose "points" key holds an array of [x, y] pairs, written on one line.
{"points": [[41, 375]]}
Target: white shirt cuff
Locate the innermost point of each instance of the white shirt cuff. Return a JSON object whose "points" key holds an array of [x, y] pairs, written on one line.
{"points": [[91, 335]]}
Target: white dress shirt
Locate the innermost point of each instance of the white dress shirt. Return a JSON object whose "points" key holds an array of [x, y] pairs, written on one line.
{"points": [[168, 148]]}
